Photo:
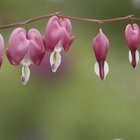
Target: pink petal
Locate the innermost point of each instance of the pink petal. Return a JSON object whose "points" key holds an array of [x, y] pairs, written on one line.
{"points": [[66, 40], [10, 58], [17, 46], [36, 48], [132, 36], [53, 33], [66, 24], [100, 46]]}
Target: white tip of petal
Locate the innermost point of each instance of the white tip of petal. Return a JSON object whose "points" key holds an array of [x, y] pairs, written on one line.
{"points": [[58, 47], [96, 69], [25, 75], [130, 56], [55, 61], [137, 56], [106, 68], [26, 61]]}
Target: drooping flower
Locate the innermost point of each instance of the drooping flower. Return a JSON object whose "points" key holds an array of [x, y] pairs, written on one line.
{"points": [[100, 46], [132, 36], [57, 38], [1, 48], [25, 48]]}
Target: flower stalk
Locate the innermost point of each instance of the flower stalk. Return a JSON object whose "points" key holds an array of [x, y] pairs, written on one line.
{"points": [[22, 23]]}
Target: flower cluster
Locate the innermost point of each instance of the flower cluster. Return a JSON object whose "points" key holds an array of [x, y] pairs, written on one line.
{"points": [[29, 47], [101, 44], [26, 47]]}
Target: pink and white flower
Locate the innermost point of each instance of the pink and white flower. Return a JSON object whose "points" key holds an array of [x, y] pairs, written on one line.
{"points": [[132, 36], [57, 38], [25, 48], [100, 47]]}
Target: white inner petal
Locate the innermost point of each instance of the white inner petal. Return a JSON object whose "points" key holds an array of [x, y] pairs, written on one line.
{"points": [[55, 57], [58, 47], [55, 60], [106, 68], [25, 75], [137, 56], [130, 56], [25, 62], [96, 69]]}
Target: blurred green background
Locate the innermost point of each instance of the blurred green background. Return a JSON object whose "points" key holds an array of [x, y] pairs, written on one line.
{"points": [[72, 104]]}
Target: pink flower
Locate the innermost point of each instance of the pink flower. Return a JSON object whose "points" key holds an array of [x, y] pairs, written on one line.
{"points": [[58, 38], [1, 48], [100, 47], [25, 48], [132, 36]]}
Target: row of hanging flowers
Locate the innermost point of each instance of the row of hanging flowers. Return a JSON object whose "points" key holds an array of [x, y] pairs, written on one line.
{"points": [[28, 47]]}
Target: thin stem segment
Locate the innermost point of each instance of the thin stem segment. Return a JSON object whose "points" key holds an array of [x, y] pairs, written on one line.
{"points": [[130, 17]]}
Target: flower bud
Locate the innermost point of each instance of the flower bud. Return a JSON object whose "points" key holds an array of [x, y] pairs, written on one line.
{"points": [[132, 36], [100, 47]]}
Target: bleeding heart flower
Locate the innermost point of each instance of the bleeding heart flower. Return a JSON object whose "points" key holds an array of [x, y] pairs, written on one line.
{"points": [[100, 47], [25, 48], [57, 38], [132, 36], [1, 48]]}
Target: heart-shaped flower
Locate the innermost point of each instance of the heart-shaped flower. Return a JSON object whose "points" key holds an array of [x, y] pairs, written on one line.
{"points": [[58, 38], [25, 48]]}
